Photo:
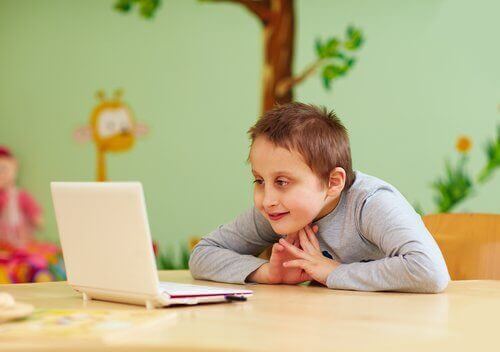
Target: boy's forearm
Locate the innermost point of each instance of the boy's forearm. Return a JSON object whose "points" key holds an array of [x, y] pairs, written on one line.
{"points": [[220, 264], [227, 254], [405, 274]]}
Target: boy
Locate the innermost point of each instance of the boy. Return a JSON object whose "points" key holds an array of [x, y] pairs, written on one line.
{"points": [[343, 229]]}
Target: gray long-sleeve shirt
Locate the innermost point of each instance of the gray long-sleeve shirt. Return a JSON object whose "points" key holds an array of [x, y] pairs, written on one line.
{"points": [[374, 232]]}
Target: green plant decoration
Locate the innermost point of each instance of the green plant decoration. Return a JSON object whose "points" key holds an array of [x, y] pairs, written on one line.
{"points": [[173, 258], [492, 149], [454, 187], [457, 184]]}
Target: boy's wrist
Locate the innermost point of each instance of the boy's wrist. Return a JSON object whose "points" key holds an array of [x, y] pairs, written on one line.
{"points": [[260, 275]]}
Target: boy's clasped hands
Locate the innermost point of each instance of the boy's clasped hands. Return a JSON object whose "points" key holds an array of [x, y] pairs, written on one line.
{"points": [[295, 259]]}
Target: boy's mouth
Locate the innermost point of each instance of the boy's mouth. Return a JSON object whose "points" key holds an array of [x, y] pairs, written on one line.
{"points": [[276, 216]]}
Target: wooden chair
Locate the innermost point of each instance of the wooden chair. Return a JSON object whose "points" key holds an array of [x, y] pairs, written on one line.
{"points": [[470, 244]]}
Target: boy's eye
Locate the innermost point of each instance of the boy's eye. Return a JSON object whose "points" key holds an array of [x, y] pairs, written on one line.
{"points": [[282, 183]]}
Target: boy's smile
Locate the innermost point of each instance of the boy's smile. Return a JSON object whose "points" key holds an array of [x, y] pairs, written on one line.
{"points": [[277, 216], [286, 191]]}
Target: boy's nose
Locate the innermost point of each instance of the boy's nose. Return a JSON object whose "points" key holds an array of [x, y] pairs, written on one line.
{"points": [[269, 200]]}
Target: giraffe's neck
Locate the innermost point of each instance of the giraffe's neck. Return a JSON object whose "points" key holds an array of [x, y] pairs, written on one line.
{"points": [[101, 165]]}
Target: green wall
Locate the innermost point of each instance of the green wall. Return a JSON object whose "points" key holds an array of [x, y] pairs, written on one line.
{"points": [[429, 71]]}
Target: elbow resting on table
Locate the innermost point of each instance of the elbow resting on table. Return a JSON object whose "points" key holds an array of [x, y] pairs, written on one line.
{"points": [[437, 283], [429, 276], [194, 263], [436, 280]]}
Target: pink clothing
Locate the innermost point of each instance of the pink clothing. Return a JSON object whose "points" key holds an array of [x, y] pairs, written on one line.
{"points": [[18, 217]]}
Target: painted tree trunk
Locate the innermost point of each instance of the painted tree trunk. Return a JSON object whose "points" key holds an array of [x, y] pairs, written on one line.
{"points": [[279, 33]]}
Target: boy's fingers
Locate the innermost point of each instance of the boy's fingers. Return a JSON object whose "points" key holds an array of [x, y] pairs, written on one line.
{"points": [[305, 243], [296, 263], [312, 237], [293, 239], [304, 276], [294, 250], [315, 228]]}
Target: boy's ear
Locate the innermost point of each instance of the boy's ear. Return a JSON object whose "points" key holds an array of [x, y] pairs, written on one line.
{"points": [[336, 181]]}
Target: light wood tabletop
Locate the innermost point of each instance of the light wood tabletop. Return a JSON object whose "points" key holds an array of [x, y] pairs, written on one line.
{"points": [[279, 317]]}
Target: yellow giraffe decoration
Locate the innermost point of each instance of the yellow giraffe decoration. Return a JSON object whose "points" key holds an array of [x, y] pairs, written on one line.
{"points": [[112, 127]]}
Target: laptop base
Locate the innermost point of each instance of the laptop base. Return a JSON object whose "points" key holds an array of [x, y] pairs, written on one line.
{"points": [[160, 301]]}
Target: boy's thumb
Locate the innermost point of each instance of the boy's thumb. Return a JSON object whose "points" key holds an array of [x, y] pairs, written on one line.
{"points": [[277, 247]]}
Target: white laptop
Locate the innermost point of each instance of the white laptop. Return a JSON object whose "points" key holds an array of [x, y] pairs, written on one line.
{"points": [[107, 247]]}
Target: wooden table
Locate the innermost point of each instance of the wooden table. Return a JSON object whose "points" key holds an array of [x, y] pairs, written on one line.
{"points": [[294, 318]]}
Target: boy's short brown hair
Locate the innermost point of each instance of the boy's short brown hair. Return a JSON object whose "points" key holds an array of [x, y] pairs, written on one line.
{"points": [[316, 133]]}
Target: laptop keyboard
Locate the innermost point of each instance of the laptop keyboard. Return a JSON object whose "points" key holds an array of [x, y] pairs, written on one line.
{"points": [[176, 289]]}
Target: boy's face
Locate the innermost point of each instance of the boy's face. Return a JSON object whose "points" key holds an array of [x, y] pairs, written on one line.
{"points": [[286, 191]]}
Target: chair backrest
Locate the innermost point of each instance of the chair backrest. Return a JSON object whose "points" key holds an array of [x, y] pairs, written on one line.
{"points": [[470, 244]]}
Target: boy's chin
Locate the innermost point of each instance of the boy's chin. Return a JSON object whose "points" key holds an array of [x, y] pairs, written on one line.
{"points": [[285, 229]]}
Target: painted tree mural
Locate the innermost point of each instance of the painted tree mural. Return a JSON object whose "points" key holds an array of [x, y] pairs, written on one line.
{"points": [[334, 56]]}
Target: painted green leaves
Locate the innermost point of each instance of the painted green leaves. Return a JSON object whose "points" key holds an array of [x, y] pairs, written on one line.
{"points": [[492, 149], [453, 187], [335, 55], [147, 8]]}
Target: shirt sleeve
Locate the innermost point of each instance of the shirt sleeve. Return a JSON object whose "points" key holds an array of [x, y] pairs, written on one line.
{"points": [[413, 261], [228, 254]]}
